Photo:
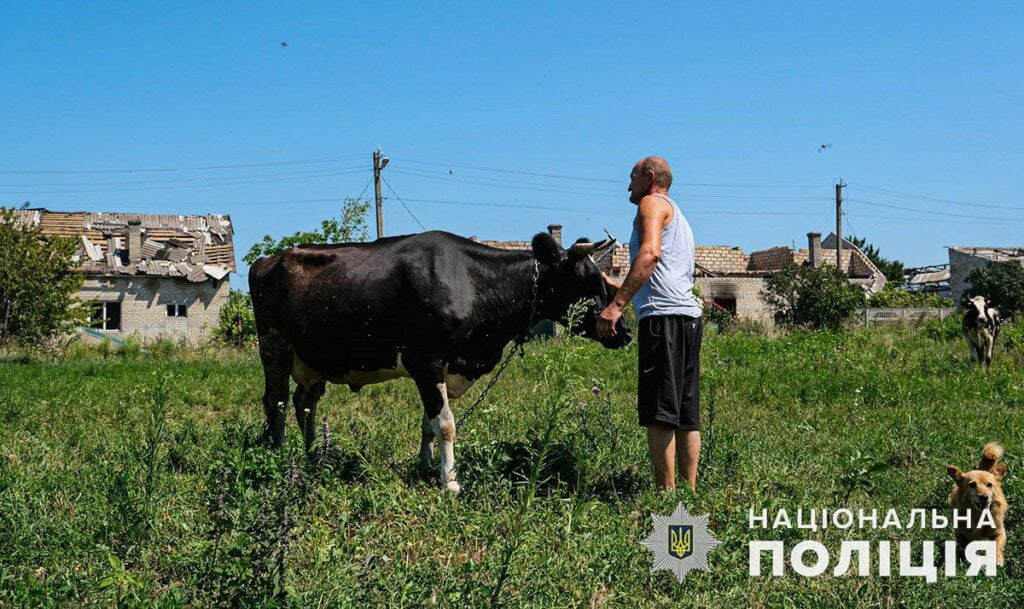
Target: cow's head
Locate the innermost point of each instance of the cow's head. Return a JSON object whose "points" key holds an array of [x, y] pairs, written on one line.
{"points": [[978, 303], [569, 276]]}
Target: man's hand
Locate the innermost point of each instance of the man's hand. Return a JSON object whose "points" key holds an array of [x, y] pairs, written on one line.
{"points": [[607, 320]]}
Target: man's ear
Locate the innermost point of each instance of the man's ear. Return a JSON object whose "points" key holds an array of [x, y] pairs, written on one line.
{"points": [[955, 473], [546, 250]]}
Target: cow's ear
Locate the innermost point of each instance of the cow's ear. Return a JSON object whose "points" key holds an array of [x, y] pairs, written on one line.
{"points": [[546, 249]]}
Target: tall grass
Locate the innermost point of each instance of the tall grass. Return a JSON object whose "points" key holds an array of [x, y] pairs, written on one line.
{"points": [[138, 481]]}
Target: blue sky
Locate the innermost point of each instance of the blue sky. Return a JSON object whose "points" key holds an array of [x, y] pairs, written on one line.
{"points": [[923, 99]]}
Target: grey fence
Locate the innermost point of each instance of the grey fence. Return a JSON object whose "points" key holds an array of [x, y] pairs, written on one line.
{"points": [[874, 317]]}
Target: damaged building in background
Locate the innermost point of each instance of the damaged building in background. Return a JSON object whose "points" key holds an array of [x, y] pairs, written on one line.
{"points": [[735, 281], [148, 275], [963, 260]]}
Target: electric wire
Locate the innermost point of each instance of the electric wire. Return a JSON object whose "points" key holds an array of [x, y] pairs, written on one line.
{"points": [[388, 184], [168, 169]]}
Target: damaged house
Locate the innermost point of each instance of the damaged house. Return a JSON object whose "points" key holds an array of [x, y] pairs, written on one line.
{"points": [[148, 275], [735, 280], [963, 260]]}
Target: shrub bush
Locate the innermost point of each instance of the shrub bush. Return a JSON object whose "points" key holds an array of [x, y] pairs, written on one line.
{"points": [[950, 328], [803, 296], [237, 325], [1013, 336], [896, 298]]}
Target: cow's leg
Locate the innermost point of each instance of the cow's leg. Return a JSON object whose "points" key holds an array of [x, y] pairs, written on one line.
{"points": [[305, 399], [426, 441], [434, 393], [972, 349], [276, 355], [988, 352]]}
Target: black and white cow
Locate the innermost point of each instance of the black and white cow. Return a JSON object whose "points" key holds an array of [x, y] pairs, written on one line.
{"points": [[432, 306], [981, 328]]}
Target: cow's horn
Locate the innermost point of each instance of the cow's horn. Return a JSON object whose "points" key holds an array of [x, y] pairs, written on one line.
{"points": [[606, 242], [583, 248]]}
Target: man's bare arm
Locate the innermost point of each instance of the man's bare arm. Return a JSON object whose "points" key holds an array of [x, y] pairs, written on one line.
{"points": [[652, 213]]}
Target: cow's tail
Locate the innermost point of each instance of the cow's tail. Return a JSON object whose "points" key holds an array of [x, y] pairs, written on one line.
{"points": [[266, 290], [990, 456]]}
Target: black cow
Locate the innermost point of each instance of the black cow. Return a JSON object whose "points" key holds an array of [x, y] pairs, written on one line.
{"points": [[432, 306]]}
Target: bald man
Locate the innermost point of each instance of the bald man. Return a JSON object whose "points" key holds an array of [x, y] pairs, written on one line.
{"points": [[660, 284]]}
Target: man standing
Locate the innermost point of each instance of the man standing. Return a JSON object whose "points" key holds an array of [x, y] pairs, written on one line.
{"points": [[660, 283]]}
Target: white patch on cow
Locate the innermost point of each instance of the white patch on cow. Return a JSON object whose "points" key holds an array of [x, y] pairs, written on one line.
{"points": [[457, 385], [301, 371], [444, 431]]}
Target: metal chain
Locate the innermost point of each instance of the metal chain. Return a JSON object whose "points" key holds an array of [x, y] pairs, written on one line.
{"points": [[518, 346]]}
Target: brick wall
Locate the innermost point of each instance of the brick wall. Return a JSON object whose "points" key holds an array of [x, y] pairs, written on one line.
{"points": [[144, 303], [721, 258], [616, 263], [746, 291], [770, 259]]}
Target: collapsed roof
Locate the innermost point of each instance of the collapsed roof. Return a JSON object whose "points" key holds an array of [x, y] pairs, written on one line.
{"points": [[197, 248]]}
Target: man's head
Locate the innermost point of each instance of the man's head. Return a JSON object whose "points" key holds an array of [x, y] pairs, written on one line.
{"points": [[649, 175]]}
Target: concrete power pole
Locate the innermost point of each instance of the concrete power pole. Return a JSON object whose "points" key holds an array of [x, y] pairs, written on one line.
{"points": [[379, 162], [839, 224]]}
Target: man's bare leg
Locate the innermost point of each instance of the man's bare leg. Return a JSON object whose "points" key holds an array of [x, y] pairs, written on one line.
{"points": [[661, 442], [688, 449]]}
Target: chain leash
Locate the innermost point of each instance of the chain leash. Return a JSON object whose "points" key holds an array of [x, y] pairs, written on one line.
{"points": [[517, 347]]}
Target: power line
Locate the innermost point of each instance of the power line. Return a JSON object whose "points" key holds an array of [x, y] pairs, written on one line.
{"points": [[449, 164], [513, 184], [513, 171], [179, 187], [388, 184], [917, 197], [556, 188], [165, 169], [933, 220], [928, 211], [606, 209], [179, 180]]}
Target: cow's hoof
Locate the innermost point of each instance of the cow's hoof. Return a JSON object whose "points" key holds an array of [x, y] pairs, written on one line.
{"points": [[453, 486]]}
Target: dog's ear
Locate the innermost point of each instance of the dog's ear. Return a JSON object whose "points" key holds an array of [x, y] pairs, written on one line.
{"points": [[999, 470], [955, 473]]}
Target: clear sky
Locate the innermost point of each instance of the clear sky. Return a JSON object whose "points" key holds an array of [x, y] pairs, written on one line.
{"points": [[924, 99]]}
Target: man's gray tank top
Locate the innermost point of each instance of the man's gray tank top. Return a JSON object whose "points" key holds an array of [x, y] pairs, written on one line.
{"points": [[669, 291]]}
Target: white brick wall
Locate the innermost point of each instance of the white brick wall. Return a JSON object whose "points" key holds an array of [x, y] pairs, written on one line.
{"points": [[746, 291], [144, 301]]}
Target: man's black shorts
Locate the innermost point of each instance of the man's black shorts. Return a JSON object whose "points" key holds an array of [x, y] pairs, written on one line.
{"points": [[669, 384]]}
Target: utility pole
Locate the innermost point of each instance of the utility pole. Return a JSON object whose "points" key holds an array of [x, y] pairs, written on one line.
{"points": [[839, 224], [379, 162]]}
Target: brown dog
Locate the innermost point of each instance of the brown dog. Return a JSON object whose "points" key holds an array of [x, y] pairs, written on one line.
{"points": [[979, 490]]}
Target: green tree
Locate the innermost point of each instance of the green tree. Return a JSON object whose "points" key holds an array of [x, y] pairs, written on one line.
{"points": [[803, 296], [37, 283], [1002, 283], [351, 226], [237, 324], [892, 269]]}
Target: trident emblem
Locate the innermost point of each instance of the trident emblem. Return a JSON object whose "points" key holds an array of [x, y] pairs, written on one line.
{"points": [[680, 543]]}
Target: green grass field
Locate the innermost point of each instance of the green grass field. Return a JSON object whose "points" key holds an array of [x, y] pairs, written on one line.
{"points": [[135, 481]]}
